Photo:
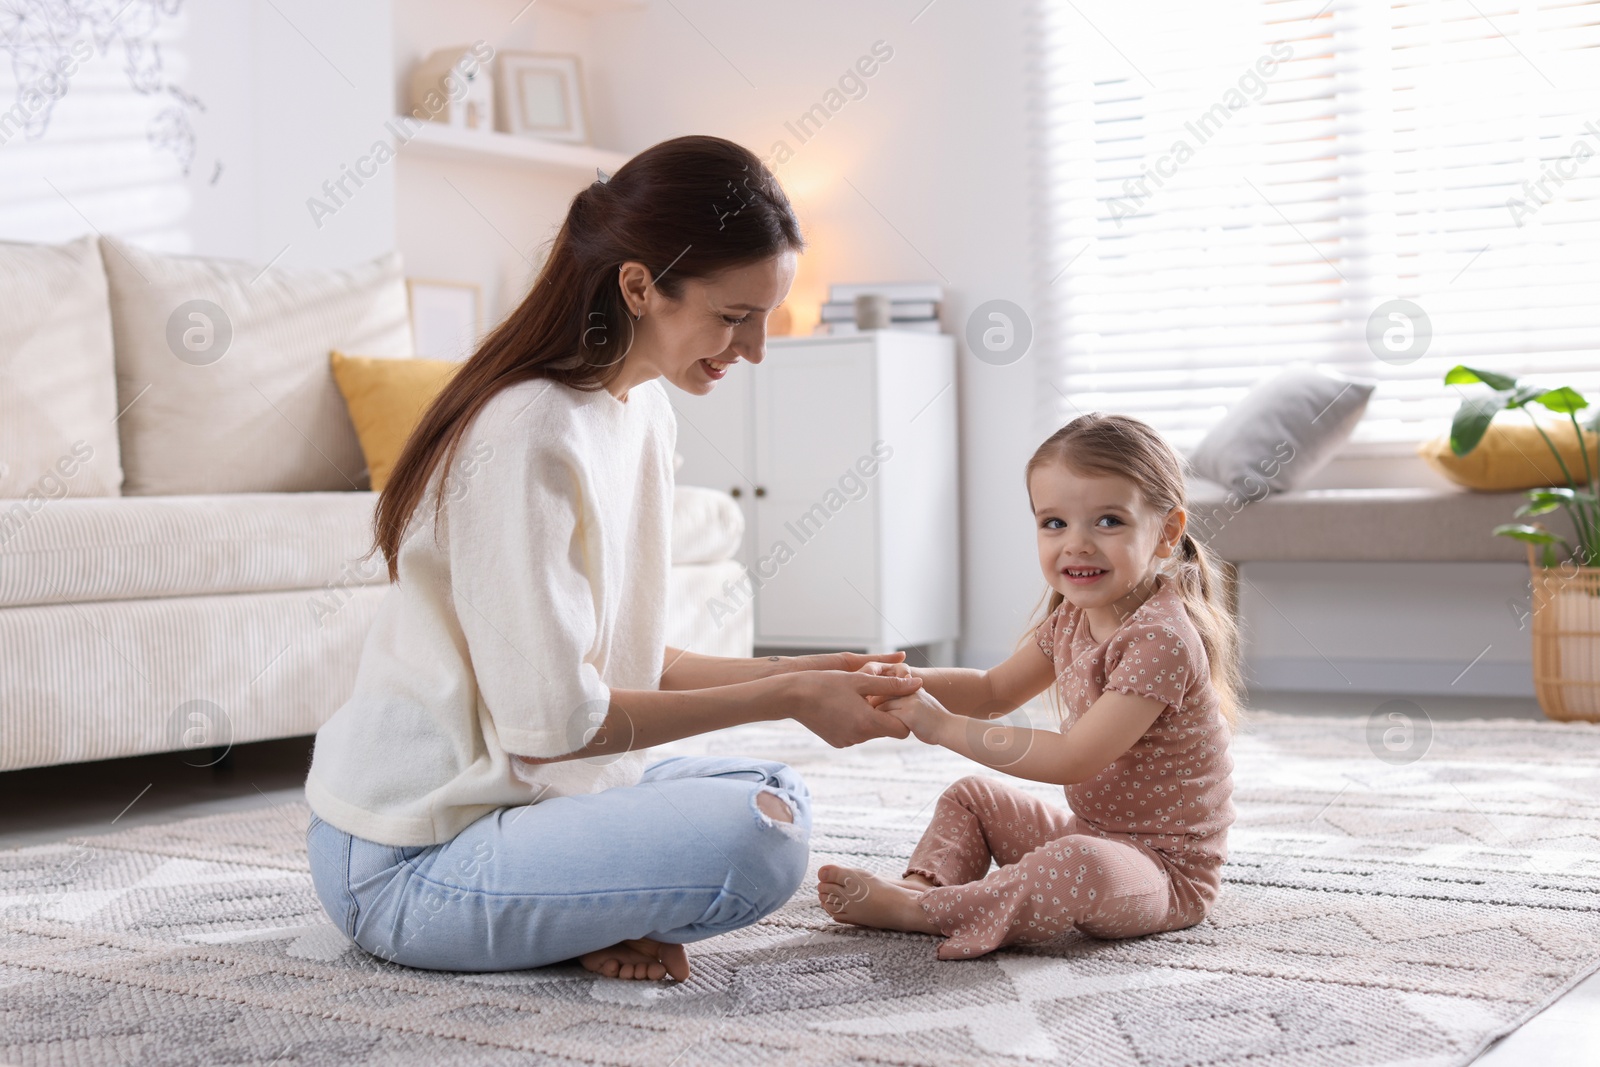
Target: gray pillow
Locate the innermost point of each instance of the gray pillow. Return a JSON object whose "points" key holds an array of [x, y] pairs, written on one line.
{"points": [[1282, 432]]}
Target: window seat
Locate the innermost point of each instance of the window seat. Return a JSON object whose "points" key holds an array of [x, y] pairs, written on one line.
{"points": [[1356, 525]]}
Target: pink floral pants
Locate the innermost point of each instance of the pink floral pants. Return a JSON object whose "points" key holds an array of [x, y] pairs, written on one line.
{"points": [[1055, 874]]}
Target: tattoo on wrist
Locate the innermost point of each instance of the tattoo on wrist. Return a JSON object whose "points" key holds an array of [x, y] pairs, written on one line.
{"points": [[773, 659]]}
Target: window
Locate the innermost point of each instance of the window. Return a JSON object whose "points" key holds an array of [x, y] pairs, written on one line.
{"points": [[1234, 186]]}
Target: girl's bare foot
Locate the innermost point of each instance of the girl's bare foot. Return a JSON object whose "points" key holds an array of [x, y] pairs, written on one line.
{"points": [[852, 895], [642, 958]]}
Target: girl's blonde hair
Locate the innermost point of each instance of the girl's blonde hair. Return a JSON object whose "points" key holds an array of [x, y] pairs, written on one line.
{"points": [[1118, 446]]}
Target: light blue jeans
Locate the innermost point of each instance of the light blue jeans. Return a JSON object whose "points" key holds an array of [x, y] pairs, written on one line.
{"points": [[682, 856]]}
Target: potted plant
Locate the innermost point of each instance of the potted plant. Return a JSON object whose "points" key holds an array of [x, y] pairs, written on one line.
{"points": [[1565, 574]]}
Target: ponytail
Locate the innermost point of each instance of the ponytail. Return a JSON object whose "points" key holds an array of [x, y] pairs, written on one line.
{"points": [[1204, 597]]}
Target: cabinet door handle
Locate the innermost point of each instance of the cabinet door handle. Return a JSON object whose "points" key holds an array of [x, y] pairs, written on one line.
{"points": [[736, 492], [761, 490]]}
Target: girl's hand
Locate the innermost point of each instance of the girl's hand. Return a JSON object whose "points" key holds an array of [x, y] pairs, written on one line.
{"points": [[885, 669], [922, 714]]}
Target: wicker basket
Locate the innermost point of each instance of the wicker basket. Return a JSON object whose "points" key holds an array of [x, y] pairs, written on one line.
{"points": [[1566, 640]]}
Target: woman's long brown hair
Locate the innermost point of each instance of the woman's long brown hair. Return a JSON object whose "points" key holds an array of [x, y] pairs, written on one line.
{"points": [[686, 208], [1121, 447]]}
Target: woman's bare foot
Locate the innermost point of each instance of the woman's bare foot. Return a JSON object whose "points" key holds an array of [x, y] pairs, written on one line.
{"points": [[643, 958], [862, 898]]}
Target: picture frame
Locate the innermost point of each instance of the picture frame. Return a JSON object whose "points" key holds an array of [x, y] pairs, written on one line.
{"points": [[540, 94], [446, 317]]}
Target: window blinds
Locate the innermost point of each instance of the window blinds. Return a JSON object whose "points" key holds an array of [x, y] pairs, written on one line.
{"points": [[1242, 184]]}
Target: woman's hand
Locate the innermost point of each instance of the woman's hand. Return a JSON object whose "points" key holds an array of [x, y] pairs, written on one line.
{"points": [[845, 661], [923, 715], [837, 705], [682, 670]]}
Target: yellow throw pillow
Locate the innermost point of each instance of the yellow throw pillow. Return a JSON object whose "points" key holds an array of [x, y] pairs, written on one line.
{"points": [[1511, 456], [386, 399]]}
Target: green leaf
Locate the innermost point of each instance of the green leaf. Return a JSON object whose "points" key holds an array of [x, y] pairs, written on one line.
{"points": [[1538, 507], [1464, 375], [1524, 394], [1563, 401], [1521, 531], [1472, 421], [1548, 560], [1560, 496]]}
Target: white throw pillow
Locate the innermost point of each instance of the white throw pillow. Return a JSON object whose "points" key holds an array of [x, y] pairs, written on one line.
{"points": [[1282, 432], [58, 387], [222, 369]]}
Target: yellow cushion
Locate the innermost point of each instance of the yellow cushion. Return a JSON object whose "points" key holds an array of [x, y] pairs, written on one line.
{"points": [[386, 398], [1511, 456]]}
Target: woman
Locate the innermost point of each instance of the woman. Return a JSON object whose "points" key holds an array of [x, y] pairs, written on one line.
{"points": [[481, 801]]}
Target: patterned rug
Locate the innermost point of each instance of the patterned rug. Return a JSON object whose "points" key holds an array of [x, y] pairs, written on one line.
{"points": [[1374, 912]]}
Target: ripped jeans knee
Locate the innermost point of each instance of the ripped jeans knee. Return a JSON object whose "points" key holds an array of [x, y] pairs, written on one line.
{"points": [[773, 807]]}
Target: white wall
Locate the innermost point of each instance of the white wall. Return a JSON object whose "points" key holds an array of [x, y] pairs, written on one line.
{"points": [[926, 175], [323, 92]]}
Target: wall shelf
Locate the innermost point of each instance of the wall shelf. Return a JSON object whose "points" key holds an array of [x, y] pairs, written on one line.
{"points": [[437, 140]]}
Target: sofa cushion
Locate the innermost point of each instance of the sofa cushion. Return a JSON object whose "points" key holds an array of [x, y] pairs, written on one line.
{"points": [[222, 369], [72, 551], [1283, 431], [58, 386], [707, 525], [386, 399], [1512, 455]]}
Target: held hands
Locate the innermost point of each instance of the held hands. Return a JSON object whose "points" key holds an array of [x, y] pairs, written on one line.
{"points": [[841, 707], [922, 714], [919, 711], [889, 665]]}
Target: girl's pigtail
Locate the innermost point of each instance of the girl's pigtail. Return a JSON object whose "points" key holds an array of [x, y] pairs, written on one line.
{"points": [[1199, 583]]}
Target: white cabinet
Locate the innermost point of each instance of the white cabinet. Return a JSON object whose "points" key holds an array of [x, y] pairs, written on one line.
{"points": [[842, 453]]}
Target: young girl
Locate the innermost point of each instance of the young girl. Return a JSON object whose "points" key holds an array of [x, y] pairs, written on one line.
{"points": [[1143, 653]]}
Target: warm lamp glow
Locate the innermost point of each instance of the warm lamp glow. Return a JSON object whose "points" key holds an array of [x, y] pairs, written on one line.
{"points": [[780, 322], [812, 179]]}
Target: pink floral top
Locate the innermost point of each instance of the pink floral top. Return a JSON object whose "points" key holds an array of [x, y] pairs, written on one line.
{"points": [[1172, 790]]}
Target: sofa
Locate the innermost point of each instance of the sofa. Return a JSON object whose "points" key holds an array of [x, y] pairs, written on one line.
{"points": [[184, 507]]}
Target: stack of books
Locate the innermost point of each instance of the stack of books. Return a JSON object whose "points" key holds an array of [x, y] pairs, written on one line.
{"points": [[913, 306]]}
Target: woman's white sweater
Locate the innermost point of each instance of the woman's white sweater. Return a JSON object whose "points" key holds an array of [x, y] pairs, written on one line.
{"points": [[542, 586]]}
